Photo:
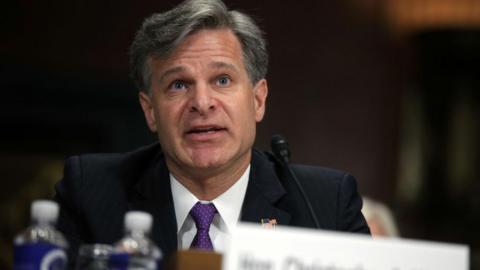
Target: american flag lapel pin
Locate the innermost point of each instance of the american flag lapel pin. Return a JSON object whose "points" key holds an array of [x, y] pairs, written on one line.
{"points": [[268, 223]]}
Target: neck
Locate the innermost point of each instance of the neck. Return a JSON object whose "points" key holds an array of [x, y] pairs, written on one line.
{"points": [[208, 184]]}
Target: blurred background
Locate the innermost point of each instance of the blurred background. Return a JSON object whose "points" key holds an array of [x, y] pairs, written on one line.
{"points": [[388, 90]]}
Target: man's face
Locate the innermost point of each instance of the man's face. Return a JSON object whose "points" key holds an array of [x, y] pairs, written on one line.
{"points": [[203, 105]]}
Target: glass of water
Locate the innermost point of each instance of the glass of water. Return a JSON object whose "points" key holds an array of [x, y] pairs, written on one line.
{"points": [[93, 257]]}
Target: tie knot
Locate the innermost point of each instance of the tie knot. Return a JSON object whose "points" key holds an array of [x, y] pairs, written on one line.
{"points": [[203, 215]]}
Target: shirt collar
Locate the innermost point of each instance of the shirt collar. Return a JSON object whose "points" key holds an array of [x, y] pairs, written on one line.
{"points": [[228, 204]]}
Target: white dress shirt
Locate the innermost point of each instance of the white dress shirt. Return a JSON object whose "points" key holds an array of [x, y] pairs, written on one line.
{"points": [[228, 204]]}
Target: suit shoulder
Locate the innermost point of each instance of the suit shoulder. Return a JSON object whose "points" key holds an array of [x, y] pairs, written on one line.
{"points": [[307, 174], [101, 159], [324, 185], [326, 180], [318, 174], [107, 161], [335, 194], [90, 170]]}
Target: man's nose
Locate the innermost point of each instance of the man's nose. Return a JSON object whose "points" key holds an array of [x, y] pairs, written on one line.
{"points": [[201, 100]]}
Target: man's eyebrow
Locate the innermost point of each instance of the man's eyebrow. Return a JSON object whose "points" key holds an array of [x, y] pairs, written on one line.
{"points": [[177, 69], [219, 65], [170, 71]]}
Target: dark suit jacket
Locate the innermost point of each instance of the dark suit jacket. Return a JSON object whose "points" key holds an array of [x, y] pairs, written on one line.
{"points": [[98, 189]]}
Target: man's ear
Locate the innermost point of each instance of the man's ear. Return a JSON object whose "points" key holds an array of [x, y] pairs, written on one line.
{"points": [[260, 91], [146, 103]]}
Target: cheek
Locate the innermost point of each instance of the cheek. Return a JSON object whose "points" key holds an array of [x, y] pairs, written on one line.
{"points": [[242, 113], [243, 101], [249, 111], [168, 117]]}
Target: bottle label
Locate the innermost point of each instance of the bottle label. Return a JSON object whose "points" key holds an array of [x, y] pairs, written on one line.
{"points": [[123, 261], [118, 261], [39, 256]]}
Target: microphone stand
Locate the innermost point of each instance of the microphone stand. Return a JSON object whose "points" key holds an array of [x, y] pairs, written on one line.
{"points": [[281, 153]]}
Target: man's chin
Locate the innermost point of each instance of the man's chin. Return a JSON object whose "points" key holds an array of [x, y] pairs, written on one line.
{"points": [[207, 162], [210, 159]]}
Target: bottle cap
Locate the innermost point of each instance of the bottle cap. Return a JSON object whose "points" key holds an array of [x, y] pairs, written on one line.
{"points": [[138, 221], [44, 211]]}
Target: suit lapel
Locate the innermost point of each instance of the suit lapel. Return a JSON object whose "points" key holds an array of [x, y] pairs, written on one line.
{"points": [[263, 192], [153, 194]]}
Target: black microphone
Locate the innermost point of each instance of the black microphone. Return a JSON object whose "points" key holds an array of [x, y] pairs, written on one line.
{"points": [[281, 150]]}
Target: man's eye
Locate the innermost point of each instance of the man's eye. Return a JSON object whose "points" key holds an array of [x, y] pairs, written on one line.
{"points": [[223, 81], [178, 85]]}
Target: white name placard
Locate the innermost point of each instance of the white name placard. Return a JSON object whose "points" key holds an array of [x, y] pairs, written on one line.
{"points": [[284, 248]]}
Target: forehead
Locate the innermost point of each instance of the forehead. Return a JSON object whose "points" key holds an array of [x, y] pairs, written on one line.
{"points": [[207, 45]]}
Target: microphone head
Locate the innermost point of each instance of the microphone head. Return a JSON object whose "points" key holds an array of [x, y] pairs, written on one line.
{"points": [[280, 147]]}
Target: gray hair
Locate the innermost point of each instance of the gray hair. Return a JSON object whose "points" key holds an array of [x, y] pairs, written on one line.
{"points": [[161, 33]]}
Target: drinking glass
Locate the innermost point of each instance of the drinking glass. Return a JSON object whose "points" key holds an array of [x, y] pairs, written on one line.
{"points": [[93, 257]]}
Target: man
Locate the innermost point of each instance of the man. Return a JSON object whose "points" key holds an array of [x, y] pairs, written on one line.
{"points": [[200, 70]]}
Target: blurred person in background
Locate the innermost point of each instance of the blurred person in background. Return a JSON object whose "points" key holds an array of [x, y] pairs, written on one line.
{"points": [[379, 218]]}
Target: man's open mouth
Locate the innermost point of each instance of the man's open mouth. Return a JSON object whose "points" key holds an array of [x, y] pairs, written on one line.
{"points": [[205, 130]]}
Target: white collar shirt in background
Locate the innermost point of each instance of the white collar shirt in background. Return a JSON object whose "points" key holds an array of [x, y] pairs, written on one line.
{"points": [[228, 204]]}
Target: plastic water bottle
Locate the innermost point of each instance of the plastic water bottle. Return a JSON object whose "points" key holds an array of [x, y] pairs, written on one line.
{"points": [[41, 246], [135, 250]]}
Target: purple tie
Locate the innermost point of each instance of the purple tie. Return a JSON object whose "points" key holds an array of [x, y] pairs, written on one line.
{"points": [[203, 215]]}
